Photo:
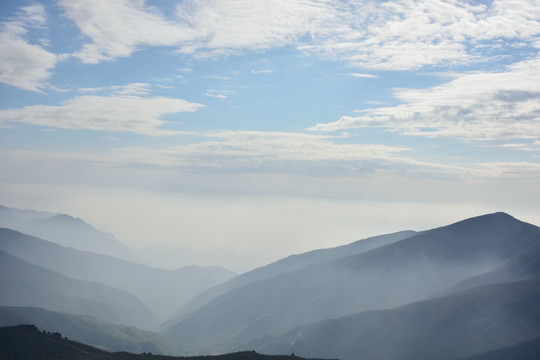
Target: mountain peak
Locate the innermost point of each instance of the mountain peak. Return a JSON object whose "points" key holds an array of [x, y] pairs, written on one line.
{"points": [[66, 217]]}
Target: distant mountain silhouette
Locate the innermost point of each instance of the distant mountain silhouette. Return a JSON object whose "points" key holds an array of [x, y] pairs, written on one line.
{"points": [[163, 291], [24, 284], [468, 322], [64, 230], [409, 270], [88, 330], [27, 342]]}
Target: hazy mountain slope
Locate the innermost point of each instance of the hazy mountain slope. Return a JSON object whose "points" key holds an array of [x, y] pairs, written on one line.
{"points": [[522, 267], [26, 342], [292, 263], [64, 230], [466, 323], [163, 291], [406, 271], [88, 330], [24, 284], [526, 350]]}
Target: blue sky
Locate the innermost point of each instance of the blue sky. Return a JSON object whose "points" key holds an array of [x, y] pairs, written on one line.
{"points": [[306, 123]]}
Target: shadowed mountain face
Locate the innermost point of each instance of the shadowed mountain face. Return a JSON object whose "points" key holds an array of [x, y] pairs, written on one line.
{"points": [[88, 330], [24, 284], [466, 323], [163, 291], [405, 271], [64, 230]]}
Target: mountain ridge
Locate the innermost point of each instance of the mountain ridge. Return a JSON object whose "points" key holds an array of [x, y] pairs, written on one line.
{"points": [[408, 270], [453, 326], [64, 230], [162, 290], [25, 284], [290, 263]]}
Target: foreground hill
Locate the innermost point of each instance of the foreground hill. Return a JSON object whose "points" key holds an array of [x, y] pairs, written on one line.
{"points": [[26, 342], [24, 284], [469, 322], [88, 330], [163, 291], [409, 270]]}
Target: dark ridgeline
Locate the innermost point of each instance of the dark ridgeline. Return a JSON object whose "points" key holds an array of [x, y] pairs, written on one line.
{"points": [[88, 330], [26, 342]]}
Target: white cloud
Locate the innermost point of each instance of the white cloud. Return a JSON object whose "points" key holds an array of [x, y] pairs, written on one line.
{"points": [[217, 77], [508, 170], [22, 64], [284, 154], [404, 35], [266, 71], [255, 25], [389, 35], [133, 89], [219, 94], [360, 75], [118, 27], [278, 154], [473, 106], [117, 113], [241, 151], [33, 15]]}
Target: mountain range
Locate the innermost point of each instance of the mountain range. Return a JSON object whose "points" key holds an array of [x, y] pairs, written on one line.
{"points": [[463, 291], [419, 267], [162, 291], [24, 284], [65, 230]]}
